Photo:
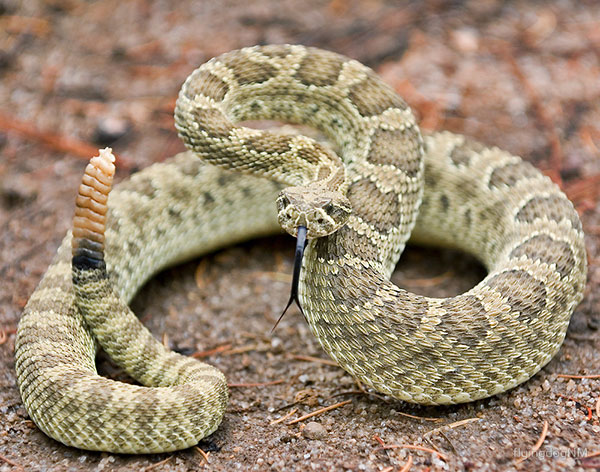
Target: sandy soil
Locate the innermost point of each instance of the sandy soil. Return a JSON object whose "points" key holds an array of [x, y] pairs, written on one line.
{"points": [[76, 75]]}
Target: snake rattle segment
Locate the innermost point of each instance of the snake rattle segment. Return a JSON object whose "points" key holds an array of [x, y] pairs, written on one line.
{"points": [[357, 211]]}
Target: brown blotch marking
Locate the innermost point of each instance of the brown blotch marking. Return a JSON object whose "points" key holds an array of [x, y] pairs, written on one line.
{"points": [[445, 203], [554, 207], [324, 172], [184, 370], [181, 193], [510, 174], [468, 218], [208, 198], [372, 97], [398, 148], [148, 403], [406, 303], [150, 352], [137, 215], [175, 215], [208, 84], [543, 248], [309, 155], [343, 242], [320, 68], [523, 292], [97, 395], [59, 281], [462, 153], [226, 178], [268, 143], [345, 285], [113, 225], [144, 186], [246, 191], [362, 247], [493, 212], [167, 375], [275, 50], [385, 216], [213, 122], [432, 178], [455, 321], [247, 71]]}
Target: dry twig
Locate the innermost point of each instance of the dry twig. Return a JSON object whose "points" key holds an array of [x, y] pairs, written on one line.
{"points": [[243, 349], [25, 24], [424, 418], [415, 447], [408, 465], [157, 464], [318, 412], [54, 141], [284, 417], [204, 455], [456, 424], [568, 376], [313, 359], [11, 462], [537, 445], [587, 462], [210, 352], [257, 384]]}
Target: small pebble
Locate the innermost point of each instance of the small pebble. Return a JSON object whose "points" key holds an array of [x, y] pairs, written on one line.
{"points": [[465, 40], [314, 430], [110, 129]]}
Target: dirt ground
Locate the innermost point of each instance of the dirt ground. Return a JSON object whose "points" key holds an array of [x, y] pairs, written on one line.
{"points": [[522, 75]]}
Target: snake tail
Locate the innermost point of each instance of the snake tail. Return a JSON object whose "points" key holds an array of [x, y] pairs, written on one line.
{"points": [[130, 345], [90, 211]]}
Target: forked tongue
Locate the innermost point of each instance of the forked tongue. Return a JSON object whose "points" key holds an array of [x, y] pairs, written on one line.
{"points": [[299, 254]]}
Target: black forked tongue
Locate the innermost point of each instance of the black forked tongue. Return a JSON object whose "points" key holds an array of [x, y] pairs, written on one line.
{"points": [[300, 245]]}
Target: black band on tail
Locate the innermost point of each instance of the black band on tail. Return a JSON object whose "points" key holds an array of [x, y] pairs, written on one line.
{"points": [[85, 259]]}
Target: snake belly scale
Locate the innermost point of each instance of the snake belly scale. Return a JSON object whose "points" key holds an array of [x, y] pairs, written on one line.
{"points": [[424, 350]]}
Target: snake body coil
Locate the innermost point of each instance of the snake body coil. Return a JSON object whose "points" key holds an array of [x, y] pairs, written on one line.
{"points": [[418, 349]]}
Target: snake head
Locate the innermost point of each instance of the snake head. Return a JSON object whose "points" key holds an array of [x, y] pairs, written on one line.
{"points": [[319, 210]]}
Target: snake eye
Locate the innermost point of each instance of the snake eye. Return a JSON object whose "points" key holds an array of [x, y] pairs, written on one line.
{"points": [[328, 207], [282, 202]]}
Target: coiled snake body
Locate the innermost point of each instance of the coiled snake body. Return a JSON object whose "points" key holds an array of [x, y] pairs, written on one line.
{"points": [[418, 349]]}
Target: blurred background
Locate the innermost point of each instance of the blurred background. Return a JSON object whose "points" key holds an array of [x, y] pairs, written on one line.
{"points": [[76, 75]]}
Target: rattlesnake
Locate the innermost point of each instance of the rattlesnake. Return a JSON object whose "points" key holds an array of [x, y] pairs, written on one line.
{"points": [[430, 351]]}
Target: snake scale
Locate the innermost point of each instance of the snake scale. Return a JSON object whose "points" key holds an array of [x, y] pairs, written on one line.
{"points": [[424, 350]]}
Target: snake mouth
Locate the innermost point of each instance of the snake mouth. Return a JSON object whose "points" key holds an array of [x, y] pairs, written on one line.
{"points": [[298, 256]]}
